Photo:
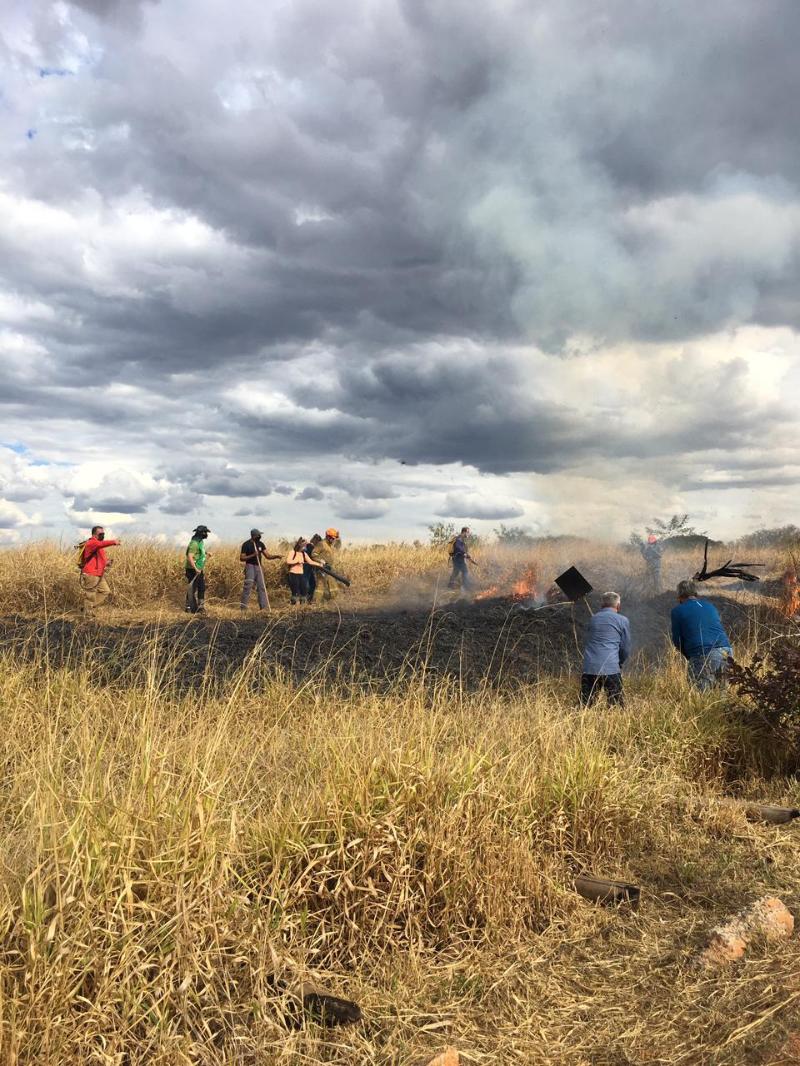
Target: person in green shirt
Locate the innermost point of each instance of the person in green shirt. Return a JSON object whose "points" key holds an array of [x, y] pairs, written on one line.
{"points": [[196, 556]]}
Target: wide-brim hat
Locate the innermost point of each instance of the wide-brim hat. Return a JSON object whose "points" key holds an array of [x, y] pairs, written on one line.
{"points": [[201, 529]]}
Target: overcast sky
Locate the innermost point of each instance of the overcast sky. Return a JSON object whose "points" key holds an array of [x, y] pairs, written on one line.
{"points": [[384, 262]]}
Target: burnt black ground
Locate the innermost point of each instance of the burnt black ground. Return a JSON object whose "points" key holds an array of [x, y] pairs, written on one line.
{"points": [[488, 642]]}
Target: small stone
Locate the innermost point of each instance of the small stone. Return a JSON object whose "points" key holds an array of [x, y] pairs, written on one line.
{"points": [[768, 917], [448, 1057]]}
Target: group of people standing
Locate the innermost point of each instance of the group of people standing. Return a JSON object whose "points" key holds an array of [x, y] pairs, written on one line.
{"points": [[307, 564]]}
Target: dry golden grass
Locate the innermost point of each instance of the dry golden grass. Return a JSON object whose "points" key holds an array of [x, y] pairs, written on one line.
{"points": [[148, 577], [171, 861]]}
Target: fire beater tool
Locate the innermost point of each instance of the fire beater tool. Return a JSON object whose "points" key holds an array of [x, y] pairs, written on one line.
{"points": [[575, 586], [336, 577]]}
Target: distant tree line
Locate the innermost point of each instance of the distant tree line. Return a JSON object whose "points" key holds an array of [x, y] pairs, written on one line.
{"points": [[675, 531]]}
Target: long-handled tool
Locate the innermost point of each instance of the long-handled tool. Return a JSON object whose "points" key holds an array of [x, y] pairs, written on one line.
{"points": [[336, 577], [260, 565]]}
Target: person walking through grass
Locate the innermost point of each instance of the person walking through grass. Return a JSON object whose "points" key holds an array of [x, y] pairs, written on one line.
{"points": [[608, 645], [699, 635], [93, 564], [252, 554], [652, 552], [196, 556], [297, 559], [459, 557]]}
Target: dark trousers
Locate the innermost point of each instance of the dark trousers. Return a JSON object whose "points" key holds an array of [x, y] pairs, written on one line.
{"points": [[593, 684], [311, 580], [298, 587], [196, 591]]}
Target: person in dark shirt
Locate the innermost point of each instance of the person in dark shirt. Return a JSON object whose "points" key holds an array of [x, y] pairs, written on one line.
{"points": [[252, 553], [698, 634], [308, 570], [459, 556]]}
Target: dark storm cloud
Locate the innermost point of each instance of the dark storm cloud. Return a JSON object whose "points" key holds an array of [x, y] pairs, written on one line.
{"points": [[320, 234], [310, 492], [738, 52], [127, 12]]}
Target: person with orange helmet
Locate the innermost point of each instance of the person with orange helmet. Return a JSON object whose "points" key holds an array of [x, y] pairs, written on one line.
{"points": [[652, 550], [325, 553]]}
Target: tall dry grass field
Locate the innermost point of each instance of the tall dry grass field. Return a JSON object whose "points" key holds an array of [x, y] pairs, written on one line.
{"points": [[176, 861], [148, 576]]}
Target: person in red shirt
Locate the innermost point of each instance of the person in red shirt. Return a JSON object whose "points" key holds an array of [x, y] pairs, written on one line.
{"points": [[94, 586]]}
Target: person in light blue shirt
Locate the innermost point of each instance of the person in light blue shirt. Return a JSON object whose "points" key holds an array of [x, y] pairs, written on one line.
{"points": [[699, 635], [608, 645]]}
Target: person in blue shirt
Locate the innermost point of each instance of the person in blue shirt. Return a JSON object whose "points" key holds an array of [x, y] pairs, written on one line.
{"points": [[608, 645], [698, 634]]}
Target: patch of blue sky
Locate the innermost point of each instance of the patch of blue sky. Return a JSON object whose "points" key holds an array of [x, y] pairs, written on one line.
{"points": [[19, 448]]}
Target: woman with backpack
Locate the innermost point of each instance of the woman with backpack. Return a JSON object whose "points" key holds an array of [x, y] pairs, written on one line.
{"points": [[297, 559]]}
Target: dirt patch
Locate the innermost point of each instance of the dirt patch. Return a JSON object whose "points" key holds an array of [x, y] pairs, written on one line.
{"points": [[487, 642]]}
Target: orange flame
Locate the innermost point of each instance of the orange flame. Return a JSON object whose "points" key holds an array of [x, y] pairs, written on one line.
{"points": [[486, 594], [523, 588], [790, 605]]}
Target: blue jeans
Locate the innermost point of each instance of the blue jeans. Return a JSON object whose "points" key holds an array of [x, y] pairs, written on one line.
{"points": [[460, 574], [710, 668]]}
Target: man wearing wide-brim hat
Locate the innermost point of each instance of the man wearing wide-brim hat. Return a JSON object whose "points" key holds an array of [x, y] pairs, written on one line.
{"points": [[196, 556], [252, 552]]}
